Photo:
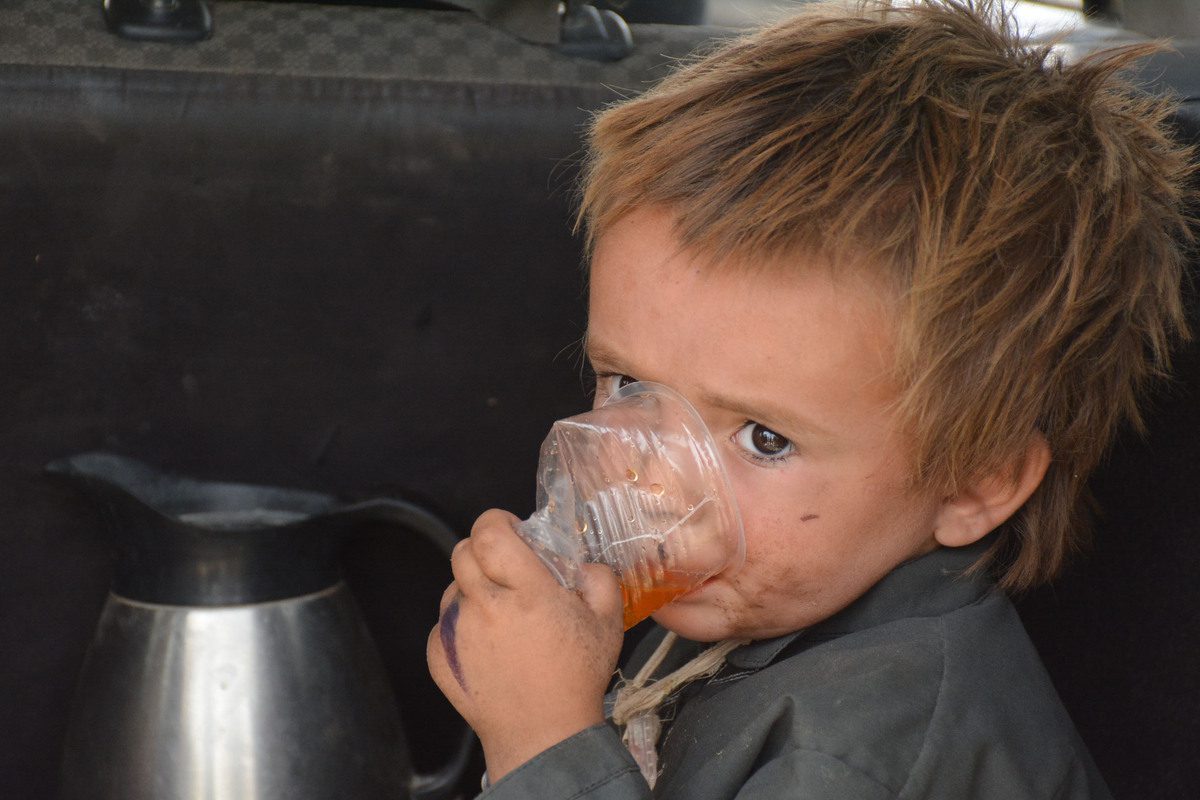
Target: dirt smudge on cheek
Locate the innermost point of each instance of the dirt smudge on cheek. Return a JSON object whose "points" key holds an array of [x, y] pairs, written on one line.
{"points": [[809, 517]]}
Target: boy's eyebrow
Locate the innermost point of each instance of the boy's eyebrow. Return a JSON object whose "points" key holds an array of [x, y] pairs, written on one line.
{"points": [[759, 411], [764, 412], [597, 352]]}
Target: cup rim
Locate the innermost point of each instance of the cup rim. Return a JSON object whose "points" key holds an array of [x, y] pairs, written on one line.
{"points": [[708, 443]]}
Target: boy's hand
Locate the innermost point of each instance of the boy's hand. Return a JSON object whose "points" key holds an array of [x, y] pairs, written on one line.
{"points": [[525, 661]]}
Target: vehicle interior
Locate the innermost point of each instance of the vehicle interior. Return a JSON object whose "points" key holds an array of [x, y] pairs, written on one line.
{"points": [[327, 246]]}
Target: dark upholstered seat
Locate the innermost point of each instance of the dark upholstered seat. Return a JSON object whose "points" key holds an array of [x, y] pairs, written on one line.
{"points": [[329, 248]]}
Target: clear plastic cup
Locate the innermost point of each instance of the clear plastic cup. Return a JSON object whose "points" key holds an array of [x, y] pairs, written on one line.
{"points": [[636, 484]]}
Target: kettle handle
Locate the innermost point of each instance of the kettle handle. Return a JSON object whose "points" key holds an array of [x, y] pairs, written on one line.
{"points": [[442, 784], [404, 514]]}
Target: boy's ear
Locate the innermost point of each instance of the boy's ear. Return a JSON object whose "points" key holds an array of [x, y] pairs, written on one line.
{"points": [[986, 503]]}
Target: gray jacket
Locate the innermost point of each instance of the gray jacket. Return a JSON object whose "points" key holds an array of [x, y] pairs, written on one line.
{"points": [[926, 687]]}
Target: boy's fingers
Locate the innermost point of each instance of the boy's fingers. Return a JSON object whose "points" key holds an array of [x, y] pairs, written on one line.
{"points": [[502, 555], [465, 566], [600, 590]]}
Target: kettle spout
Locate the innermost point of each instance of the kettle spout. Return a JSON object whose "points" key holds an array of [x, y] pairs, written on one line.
{"points": [[109, 471]]}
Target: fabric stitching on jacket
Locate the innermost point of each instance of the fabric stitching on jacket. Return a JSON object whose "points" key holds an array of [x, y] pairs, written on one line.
{"points": [[730, 678]]}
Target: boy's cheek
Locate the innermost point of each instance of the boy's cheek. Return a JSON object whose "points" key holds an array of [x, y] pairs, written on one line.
{"points": [[773, 497]]}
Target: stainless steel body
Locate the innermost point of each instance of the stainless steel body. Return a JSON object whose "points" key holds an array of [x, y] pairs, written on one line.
{"points": [[282, 699], [230, 661]]}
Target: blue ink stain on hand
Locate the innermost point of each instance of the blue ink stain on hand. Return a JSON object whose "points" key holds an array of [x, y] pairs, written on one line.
{"points": [[446, 626]]}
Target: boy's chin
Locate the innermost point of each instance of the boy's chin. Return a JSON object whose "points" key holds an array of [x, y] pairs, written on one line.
{"points": [[699, 622]]}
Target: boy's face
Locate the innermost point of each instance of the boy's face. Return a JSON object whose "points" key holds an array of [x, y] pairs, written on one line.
{"points": [[790, 373]]}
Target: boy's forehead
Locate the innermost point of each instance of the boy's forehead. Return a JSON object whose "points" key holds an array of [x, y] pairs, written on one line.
{"points": [[639, 265], [658, 313]]}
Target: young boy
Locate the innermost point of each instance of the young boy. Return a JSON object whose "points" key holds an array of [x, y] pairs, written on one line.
{"points": [[913, 275]]}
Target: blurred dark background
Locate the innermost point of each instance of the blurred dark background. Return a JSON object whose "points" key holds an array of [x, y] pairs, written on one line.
{"points": [[329, 249]]}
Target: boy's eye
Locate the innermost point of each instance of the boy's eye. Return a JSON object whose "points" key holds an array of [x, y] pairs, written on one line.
{"points": [[608, 384], [762, 443]]}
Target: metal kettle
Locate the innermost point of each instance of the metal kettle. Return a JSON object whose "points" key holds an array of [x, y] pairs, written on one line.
{"points": [[230, 660]]}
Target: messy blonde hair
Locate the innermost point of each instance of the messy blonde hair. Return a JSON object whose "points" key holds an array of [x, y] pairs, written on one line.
{"points": [[1029, 213]]}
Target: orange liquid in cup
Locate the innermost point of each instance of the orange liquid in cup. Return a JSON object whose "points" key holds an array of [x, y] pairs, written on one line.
{"points": [[642, 601]]}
